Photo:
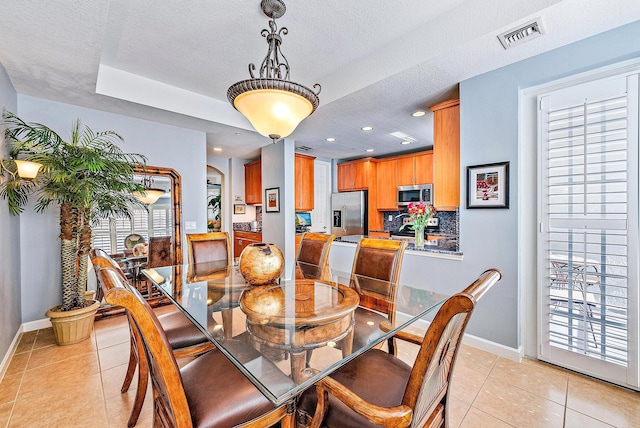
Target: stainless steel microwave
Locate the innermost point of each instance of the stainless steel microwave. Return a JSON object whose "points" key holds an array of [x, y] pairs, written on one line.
{"points": [[415, 194]]}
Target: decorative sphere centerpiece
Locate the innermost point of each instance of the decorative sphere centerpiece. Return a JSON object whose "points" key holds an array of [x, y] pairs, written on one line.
{"points": [[261, 263]]}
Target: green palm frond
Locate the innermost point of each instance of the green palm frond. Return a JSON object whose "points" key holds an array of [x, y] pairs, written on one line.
{"points": [[90, 174]]}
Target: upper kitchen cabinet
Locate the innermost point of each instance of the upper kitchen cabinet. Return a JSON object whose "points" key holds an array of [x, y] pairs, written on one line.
{"points": [[387, 171], [253, 182], [446, 154], [423, 163], [304, 170], [415, 169], [355, 175]]}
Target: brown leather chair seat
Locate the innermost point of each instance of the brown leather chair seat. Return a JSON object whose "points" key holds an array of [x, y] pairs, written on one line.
{"points": [[181, 332], [244, 404], [384, 391]]}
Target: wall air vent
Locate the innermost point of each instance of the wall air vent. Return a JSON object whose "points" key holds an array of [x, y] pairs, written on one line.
{"points": [[528, 31], [304, 148]]}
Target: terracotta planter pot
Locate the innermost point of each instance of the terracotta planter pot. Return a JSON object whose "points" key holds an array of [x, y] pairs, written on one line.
{"points": [[74, 326]]}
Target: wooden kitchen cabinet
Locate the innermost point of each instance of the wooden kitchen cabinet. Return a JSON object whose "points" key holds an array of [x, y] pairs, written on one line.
{"points": [[387, 185], [242, 239], [253, 182], [304, 189], [415, 169], [355, 175], [424, 167], [446, 154]]}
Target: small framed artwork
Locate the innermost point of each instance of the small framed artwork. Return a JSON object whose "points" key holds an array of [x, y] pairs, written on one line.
{"points": [[272, 200], [488, 185], [238, 208]]}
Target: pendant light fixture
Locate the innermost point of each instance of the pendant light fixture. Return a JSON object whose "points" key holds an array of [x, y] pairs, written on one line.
{"points": [[150, 194], [273, 104]]}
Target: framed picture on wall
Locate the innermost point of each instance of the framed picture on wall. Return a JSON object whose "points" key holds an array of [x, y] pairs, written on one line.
{"points": [[238, 208], [488, 185], [272, 200]]}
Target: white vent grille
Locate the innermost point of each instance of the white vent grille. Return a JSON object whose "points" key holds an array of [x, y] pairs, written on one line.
{"points": [[304, 148], [528, 31]]}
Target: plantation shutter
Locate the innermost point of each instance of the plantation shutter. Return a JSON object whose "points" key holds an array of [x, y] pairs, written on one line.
{"points": [[589, 204]]}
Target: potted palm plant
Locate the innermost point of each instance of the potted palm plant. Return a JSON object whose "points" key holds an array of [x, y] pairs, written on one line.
{"points": [[89, 177]]}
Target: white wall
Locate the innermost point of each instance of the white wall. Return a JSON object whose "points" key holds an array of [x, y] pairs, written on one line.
{"points": [[168, 146], [278, 171], [10, 314]]}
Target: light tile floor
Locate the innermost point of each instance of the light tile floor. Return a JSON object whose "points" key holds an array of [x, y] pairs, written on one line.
{"points": [[79, 386]]}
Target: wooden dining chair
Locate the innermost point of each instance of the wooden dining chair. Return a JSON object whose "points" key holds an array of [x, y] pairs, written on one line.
{"points": [[374, 275], [313, 255], [184, 338], [378, 389], [207, 392]]}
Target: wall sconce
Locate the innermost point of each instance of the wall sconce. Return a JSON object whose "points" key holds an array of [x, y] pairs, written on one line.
{"points": [[27, 169]]}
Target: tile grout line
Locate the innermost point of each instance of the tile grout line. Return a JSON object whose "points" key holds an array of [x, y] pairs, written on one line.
{"points": [[495, 363], [15, 399]]}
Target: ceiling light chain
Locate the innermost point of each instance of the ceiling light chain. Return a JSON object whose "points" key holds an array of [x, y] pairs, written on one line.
{"points": [[274, 105]]}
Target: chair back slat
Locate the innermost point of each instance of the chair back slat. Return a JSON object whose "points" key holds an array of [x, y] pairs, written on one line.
{"points": [[170, 402], [210, 248], [313, 253], [430, 378], [160, 252], [376, 271]]}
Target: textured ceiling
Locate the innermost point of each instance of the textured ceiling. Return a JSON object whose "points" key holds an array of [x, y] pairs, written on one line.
{"points": [[377, 61]]}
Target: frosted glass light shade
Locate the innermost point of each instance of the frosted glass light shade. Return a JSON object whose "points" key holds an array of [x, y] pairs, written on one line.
{"points": [[273, 113], [27, 169], [149, 196]]}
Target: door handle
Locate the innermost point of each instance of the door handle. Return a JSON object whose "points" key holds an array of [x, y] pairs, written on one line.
{"points": [[344, 218]]}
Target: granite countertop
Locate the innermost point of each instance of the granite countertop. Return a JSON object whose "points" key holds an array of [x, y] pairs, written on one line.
{"points": [[446, 245]]}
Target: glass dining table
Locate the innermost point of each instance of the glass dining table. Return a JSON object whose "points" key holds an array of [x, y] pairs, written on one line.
{"points": [[285, 337]]}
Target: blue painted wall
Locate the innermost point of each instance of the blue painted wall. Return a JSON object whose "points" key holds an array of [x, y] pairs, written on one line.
{"points": [[10, 315], [489, 133]]}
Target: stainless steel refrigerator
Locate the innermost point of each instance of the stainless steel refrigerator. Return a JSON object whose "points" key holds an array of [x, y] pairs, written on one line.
{"points": [[349, 211]]}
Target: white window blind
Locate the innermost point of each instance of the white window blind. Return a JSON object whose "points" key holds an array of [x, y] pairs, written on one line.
{"points": [[585, 206], [109, 234]]}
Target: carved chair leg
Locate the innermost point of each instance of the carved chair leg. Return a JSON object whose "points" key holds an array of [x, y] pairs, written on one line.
{"points": [[131, 368], [141, 390]]}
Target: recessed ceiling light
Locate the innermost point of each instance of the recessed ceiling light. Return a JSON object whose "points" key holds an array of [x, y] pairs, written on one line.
{"points": [[367, 128], [418, 113], [331, 139], [217, 149], [405, 142], [369, 150]]}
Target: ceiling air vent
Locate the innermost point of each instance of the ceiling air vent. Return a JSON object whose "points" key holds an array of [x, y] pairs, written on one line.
{"points": [[528, 31], [304, 148]]}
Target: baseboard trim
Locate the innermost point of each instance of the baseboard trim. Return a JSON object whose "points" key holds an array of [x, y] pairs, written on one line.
{"points": [[477, 342], [36, 325], [10, 353], [25, 327]]}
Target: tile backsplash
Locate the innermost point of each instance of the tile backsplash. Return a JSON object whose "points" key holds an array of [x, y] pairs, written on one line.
{"points": [[246, 226], [449, 221]]}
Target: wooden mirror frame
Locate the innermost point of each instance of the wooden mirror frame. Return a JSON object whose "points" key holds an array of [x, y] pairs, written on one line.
{"points": [[176, 201]]}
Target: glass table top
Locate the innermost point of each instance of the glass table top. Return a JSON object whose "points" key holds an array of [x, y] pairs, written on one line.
{"points": [[285, 337]]}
